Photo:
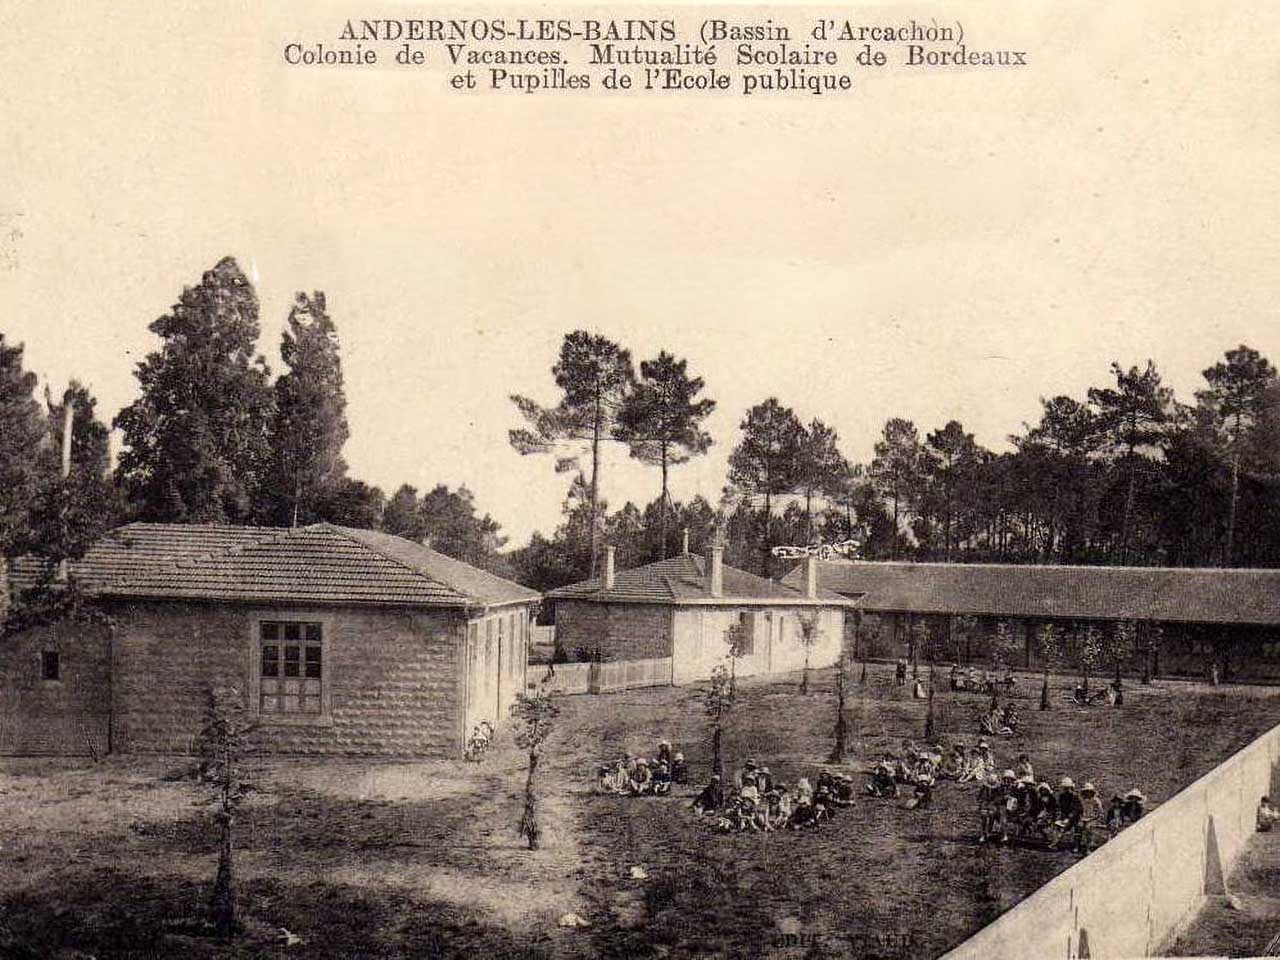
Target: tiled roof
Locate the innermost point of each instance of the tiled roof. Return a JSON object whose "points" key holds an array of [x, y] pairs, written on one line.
{"points": [[140, 547], [1174, 594], [472, 582], [683, 579], [322, 564]]}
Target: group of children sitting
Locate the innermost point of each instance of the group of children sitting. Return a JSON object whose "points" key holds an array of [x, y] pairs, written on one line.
{"points": [[1112, 693], [758, 803], [1001, 721], [1011, 804], [1015, 803], [920, 768], [980, 681], [916, 767], [641, 776]]}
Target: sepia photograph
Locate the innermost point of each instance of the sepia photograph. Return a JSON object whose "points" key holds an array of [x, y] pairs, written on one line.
{"points": [[639, 480]]}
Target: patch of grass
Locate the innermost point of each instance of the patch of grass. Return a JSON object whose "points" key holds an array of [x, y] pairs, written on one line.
{"points": [[880, 880]]}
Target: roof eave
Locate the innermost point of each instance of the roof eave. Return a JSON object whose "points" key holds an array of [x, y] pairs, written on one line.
{"points": [[116, 594], [766, 601]]}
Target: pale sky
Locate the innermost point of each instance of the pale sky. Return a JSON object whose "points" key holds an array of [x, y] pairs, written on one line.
{"points": [[949, 244]]}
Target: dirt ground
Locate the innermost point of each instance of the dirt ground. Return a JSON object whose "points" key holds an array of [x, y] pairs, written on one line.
{"points": [[1246, 923], [422, 859]]}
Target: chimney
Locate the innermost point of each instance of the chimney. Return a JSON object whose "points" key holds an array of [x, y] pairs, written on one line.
{"points": [[811, 577], [715, 575], [685, 543], [606, 583]]}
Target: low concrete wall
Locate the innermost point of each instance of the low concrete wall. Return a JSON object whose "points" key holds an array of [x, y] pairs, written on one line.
{"points": [[567, 678], [1134, 894], [631, 674], [608, 677]]}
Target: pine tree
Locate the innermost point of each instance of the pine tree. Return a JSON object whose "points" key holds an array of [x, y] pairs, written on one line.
{"points": [[950, 459], [449, 519], [765, 463], [1236, 400], [309, 428], [896, 471], [660, 421], [1132, 417], [351, 503], [594, 375], [196, 440], [402, 517], [822, 469]]}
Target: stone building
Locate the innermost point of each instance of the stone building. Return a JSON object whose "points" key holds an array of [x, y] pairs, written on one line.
{"points": [[341, 641], [1185, 618], [682, 608]]}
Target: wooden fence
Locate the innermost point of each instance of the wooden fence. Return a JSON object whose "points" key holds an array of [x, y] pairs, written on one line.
{"points": [[608, 677]]}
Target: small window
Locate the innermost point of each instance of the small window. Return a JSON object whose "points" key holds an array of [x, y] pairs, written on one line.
{"points": [[49, 665]]}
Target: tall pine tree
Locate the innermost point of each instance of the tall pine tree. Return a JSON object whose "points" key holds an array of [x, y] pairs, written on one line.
{"points": [[196, 440], [766, 463], [1235, 402], [822, 468], [896, 471], [310, 424], [661, 422], [594, 375], [1131, 417]]}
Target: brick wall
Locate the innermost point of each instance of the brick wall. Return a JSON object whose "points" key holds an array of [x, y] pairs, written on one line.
{"points": [[623, 631], [392, 678], [66, 716]]}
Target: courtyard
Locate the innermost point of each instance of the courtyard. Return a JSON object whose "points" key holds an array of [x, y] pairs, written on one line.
{"points": [[423, 859]]}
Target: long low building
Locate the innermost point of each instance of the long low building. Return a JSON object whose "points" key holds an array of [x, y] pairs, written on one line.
{"points": [[340, 642], [1203, 616], [683, 608]]}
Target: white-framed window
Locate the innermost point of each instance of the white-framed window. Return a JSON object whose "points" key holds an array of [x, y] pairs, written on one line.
{"points": [[291, 667]]}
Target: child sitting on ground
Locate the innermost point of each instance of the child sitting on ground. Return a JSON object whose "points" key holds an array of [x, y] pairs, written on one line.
{"points": [[1267, 814], [710, 799]]}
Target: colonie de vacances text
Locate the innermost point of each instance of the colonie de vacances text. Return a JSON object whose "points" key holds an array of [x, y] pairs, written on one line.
{"points": [[352, 48]]}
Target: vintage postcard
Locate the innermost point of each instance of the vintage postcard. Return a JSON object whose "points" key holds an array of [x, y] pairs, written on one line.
{"points": [[639, 480]]}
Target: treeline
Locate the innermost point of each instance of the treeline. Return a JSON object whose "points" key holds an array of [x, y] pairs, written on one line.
{"points": [[1125, 474], [211, 437]]}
